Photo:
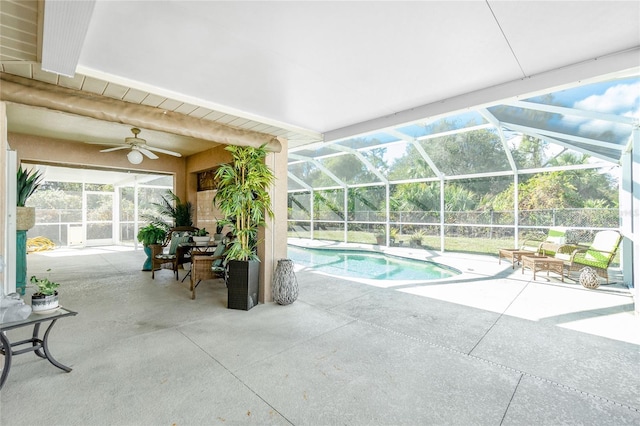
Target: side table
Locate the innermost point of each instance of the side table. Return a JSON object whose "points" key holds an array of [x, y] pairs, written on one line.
{"points": [[514, 254], [543, 263], [38, 345]]}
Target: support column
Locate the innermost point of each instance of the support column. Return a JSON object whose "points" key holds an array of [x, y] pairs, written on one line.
{"points": [[635, 216], [274, 235], [442, 233], [4, 191], [8, 160]]}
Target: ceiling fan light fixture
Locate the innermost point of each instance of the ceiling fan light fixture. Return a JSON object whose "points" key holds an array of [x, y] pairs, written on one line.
{"points": [[135, 157]]}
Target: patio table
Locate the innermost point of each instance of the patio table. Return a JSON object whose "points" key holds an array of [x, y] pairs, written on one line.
{"points": [[543, 263], [514, 254], [38, 345]]}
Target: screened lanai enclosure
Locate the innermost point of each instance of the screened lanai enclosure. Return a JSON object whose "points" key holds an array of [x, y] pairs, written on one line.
{"points": [[476, 180], [89, 207]]}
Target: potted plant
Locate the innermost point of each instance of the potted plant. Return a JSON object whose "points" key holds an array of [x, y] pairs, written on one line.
{"points": [[417, 237], [201, 236], [46, 298], [170, 205], [393, 234], [244, 199], [148, 236], [380, 238], [218, 235], [28, 181]]}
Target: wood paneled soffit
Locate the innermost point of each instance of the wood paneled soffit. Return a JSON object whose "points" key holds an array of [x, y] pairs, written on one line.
{"points": [[38, 94]]}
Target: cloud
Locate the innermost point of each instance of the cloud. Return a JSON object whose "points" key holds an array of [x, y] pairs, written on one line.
{"points": [[618, 99], [621, 99]]}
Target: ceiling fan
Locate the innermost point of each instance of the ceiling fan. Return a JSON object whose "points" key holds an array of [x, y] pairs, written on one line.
{"points": [[138, 147]]}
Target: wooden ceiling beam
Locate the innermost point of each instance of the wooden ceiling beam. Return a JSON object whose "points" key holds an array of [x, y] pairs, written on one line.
{"points": [[24, 91]]}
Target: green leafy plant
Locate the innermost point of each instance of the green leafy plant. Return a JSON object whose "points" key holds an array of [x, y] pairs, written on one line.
{"points": [[45, 286], [202, 232], [28, 182], [418, 235], [170, 206], [151, 234], [393, 233], [243, 196]]}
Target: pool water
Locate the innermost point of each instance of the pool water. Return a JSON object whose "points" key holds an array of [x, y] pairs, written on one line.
{"points": [[368, 265]]}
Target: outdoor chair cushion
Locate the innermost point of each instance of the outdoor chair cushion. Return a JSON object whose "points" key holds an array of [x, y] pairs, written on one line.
{"points": [[177, 240], [599, 254]]}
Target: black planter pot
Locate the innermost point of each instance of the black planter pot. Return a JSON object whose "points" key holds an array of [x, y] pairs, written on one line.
{"points": [[243, 284]]}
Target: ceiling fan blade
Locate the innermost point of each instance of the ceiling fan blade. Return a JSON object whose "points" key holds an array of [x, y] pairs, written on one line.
{"points": [[148, 153], [115, 149], [164, 151]]}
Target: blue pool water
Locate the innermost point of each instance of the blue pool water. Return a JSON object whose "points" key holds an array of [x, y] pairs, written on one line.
{"points": [[368, 265]]}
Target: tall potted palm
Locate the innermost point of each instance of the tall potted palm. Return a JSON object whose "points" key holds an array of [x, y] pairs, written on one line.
{"points": [[28, 181], [170, 206], [242, 196]]}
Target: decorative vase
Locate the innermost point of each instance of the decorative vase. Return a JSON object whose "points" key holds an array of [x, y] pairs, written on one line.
{"points": [[41, 303], [588, 278], [285, 284]]}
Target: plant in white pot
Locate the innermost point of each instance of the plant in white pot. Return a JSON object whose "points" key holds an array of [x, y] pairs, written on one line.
{"points": [[46, 298], [243, 197], [201, 237]]}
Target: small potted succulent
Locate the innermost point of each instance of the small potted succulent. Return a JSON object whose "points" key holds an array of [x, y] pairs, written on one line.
{"points": [[46, 298], [201, 237]]}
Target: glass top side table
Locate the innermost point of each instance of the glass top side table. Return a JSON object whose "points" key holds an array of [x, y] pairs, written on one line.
{"points": [[35, 344]]}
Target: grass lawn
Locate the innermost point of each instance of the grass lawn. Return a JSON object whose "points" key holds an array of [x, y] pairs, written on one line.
{"points": [[458, 244]]}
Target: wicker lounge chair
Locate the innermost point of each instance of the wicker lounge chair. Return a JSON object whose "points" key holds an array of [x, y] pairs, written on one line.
{"points": [[170, 255], [556, 238], [553, 243], [598, 256]]}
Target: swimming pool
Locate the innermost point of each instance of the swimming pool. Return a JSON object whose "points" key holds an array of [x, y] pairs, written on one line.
{"points": [[368, 265]]}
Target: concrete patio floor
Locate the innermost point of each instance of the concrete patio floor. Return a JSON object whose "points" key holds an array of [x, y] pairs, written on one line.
{"points": [[490, 347]]}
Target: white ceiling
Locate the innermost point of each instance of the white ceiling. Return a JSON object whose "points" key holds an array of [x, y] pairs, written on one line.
{"points": [[326, 65], [314, 69]]}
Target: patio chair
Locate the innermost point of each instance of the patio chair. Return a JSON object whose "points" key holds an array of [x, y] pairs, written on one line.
{"points": [[598, 256], [205, 267], [556, 238], [170, 255], [553, 243]]}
